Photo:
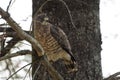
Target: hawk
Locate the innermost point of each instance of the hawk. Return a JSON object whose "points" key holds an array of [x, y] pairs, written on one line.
{"points": [[54, 42]]}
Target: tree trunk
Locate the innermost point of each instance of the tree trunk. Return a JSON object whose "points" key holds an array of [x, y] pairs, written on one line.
{"points": [[85, 39]]}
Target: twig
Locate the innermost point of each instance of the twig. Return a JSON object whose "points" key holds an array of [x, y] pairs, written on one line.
{"points": [[19, 53], [13, 2], [69, 12], [27, 72], [2, 42], [41, 7], [10, 67], [9, 5], [11, 43], [4, 24], [7, 67], [23, 35], [18, 71], [44, 74], [36, 72], [9, 29]]}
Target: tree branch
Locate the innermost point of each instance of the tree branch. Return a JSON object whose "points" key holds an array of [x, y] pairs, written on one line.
{"points": [[55, 75], [10, 44], [10, 32], [19, 53], [113, 76], [14, 34], [7, 29], [3, 24]]}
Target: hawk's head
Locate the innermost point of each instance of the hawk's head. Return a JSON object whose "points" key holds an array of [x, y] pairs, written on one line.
{"points": [[42, 18]]}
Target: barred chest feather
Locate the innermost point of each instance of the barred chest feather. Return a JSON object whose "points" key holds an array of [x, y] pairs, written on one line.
{"points": [[49, 44]]}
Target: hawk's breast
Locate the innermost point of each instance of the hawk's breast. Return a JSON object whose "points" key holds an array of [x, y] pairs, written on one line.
{"points": [[49, 44]]}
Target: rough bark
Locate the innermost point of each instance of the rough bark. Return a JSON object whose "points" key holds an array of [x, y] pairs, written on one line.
{"points": [[85, 39]]}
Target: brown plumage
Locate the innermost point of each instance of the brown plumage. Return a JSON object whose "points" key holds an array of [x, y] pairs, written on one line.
{"points": [[54, 42]]}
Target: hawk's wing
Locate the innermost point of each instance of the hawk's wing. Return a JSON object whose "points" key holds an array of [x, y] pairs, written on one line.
{"points": [[61, 38]]}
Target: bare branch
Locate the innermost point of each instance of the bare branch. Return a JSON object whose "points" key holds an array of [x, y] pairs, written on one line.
{"points": [[9, 5], [11, 43], [14, 34], [27, 72], [113, 76], [7, 29], [19, 53], [11, 34], [36, 71], [55, 75], [4, 24], [69, 12], [9, 67], [18, 71], [10, 30]]}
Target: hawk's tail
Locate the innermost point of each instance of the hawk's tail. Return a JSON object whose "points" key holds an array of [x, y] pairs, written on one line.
{"points": [[71, 65]]}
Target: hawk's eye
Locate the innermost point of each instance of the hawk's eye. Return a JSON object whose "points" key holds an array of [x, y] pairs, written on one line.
{"points": [[42, 17]]}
